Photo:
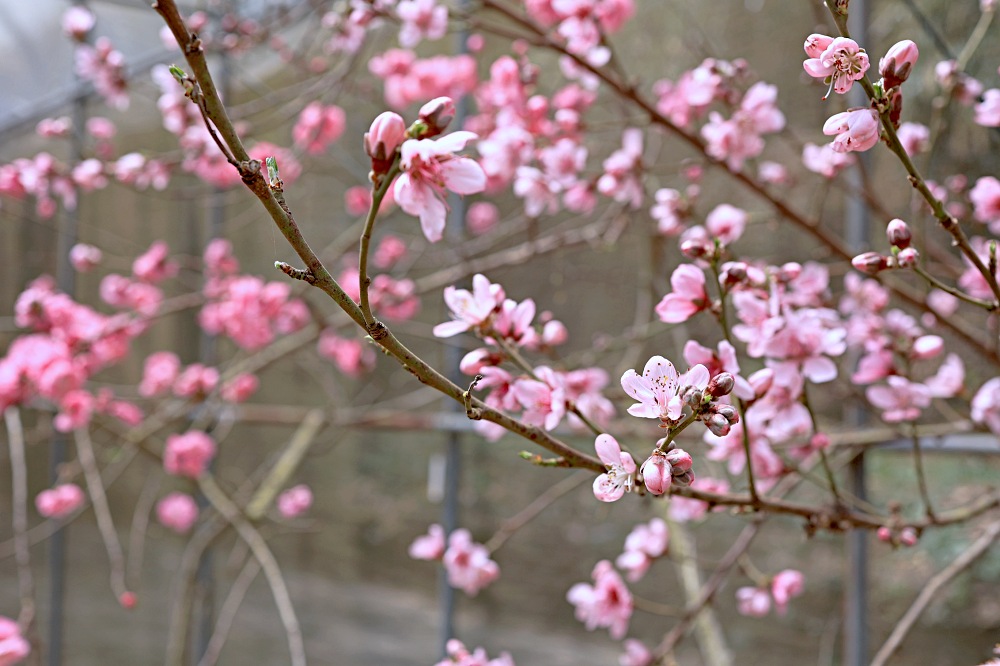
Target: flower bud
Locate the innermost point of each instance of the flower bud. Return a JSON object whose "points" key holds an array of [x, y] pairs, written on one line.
{"points": [[870, 263], [720, 385], [718, 425], [884, 534], [436, 114], [680, 461], [696, 248], [685, 479], [733, 273], [657, 473], [383, 138], [895, 67], [908, 536], [899, 234], [926, 346], [908, 258], [790, 270], [729, 413]]}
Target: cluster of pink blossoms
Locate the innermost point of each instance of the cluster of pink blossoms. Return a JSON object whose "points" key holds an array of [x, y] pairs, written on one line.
{"points": [[583, 23], [68, 345], [468, 563], [536, 143], [189, 454], [545, 395], [409, 79], [14, 647], [59, 501], [606, 603], [244, 308], [756, 601]]}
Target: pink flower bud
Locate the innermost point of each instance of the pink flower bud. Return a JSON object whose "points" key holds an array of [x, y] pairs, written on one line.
{"points": [[383, 138], [884, 534], [680, 461], [657, 474], [128, 600], [436, 115], [895, 67], [926, 346], [721, 384], [188, 454], [295, 501], [908, 258], [718, 425], [870, 263], [177, 511], [908, 536], [899, 234]]}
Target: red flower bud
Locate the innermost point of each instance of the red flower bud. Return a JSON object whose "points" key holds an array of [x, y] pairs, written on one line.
{"points": [[870, 263], [895, 67]]}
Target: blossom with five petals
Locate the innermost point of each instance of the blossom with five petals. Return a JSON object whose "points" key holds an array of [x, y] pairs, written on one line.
{"points": [[430, 167], [618, 480]]}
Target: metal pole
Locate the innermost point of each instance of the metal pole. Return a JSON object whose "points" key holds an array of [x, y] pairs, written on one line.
{"points": [[69, 223], [453, 357], [858, 227]]}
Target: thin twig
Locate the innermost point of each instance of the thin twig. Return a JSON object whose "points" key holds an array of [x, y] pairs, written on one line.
{"points": [[227, 613], [19, 517], [99, 501], [930, 592], [272, 572]]}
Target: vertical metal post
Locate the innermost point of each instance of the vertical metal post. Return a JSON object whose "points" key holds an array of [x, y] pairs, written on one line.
{"points": [[453, 357], [66, 238], [207, 355], [858, 223]]}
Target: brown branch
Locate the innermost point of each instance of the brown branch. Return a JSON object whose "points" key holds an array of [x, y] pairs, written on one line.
{"points": [[930, 591]]}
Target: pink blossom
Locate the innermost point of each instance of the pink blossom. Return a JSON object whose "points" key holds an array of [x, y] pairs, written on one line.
{"points": [[429, 546], [159, 373], [468, 563], [986, 405], [623, 170], [669, 211], [357, 200], [481, 217], [901, 400], [101, 129], [473, 309], [856, 130], [659, 389], [353, 357], [988, 110], [840, 64], [687, 298], [77, 21], [785, 585], [50, 128], [84, 257], [13, 646], [295, 501], [636, 654], [985, 198], [154, 266], [965, 88], [606, 603], [59, 501], [178, 512], [753, 601], [75, 411], [726, 223], [543, 399], [646, 542], [824, 160], [429, 168], [104, 66], [459, 655], [188, 454], [240, 387], [390, 250], [421, 19], [683, 509], [618, 480], [196, 380], [89, 175], [949, 380], [318, 126], [914, 137]]}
